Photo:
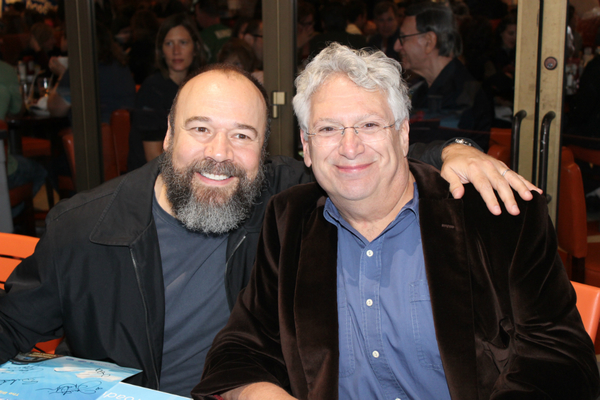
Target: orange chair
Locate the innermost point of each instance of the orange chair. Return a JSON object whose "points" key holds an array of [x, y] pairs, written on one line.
{"points": [[120, 126], [500, 144], [582, 258], [572, 219], [13, 249], [111, 169], [36, 147], [588, 305], [588, 155]]}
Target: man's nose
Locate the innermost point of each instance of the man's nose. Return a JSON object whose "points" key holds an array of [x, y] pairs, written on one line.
{"points": [[219, 148], [351, 144], [397, 45]]}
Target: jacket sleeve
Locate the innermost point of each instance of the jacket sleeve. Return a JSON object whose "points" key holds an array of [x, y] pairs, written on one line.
{"points": [[248, 349], [545, 351], [29, 307], [431, 153]]}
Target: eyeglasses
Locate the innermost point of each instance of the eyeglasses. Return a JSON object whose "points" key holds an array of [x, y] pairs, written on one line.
{"points": [[256, 35], [368, 132], [402, 37]]}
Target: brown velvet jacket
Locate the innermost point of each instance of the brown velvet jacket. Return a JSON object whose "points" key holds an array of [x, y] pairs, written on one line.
{"points": [[504, 310]]}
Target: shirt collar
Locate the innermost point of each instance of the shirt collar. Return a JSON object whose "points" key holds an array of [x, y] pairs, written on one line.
{"points": [[331, 214]]}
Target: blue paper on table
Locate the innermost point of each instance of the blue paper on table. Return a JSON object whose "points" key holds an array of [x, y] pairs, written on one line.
{"points": [[61, 377], [125, 391]]}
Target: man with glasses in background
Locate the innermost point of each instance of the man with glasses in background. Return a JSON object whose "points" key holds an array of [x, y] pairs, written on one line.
{"points": [[429, 44]]}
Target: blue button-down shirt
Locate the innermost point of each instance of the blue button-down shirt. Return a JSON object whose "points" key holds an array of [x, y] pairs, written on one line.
{"points": [[388, 348]]}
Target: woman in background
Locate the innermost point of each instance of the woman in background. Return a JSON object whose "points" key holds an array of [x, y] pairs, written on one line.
{"points": [[178, 52]]}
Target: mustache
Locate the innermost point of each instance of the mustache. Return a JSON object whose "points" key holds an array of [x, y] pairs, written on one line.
{"points": [[210, 166]]}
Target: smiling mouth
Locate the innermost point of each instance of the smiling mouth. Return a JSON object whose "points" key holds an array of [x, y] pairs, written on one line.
{"points": [[214, 177]]}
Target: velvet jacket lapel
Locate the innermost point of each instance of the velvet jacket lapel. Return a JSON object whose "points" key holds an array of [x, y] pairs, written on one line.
{"points": [[316, 290], [442, 232]]}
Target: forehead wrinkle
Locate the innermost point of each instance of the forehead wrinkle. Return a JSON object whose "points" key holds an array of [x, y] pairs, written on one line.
{"points": [[357, 117], [237, 125], [197, 118], [245, 126]]}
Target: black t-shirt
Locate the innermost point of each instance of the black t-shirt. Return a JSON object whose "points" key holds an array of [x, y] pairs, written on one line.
{"points": [[149, 118], [196, 309], [461, 97]]}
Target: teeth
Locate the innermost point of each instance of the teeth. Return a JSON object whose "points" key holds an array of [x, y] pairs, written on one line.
{"points": [[215, 177]]}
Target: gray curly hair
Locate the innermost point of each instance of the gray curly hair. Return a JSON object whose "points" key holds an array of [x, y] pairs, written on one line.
{"points": [[371, 70]]}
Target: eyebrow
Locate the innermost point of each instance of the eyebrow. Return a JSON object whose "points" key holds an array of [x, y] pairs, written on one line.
{"points": [[207, 119], [359, 118]]}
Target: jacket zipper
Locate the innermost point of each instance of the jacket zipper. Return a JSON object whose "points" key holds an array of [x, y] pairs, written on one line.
{"points": [[137, 277], [228, 268], [234, 250]]}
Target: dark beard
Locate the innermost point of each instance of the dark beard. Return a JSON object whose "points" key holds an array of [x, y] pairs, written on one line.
{"points": [[211, 210]]}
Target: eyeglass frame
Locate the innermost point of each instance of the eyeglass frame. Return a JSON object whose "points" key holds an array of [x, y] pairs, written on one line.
{"points": [[402, 37], [343, 130]]}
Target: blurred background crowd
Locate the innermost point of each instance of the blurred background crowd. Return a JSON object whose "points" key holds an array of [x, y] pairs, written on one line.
{"points": [[146, 48]]}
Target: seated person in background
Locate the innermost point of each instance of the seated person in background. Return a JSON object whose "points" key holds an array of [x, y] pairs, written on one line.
{"points": [[358, 19], [178, 52], [239, 53], [429, 44], [305, 30], [144, 269], [19, 170], [334, 21], [253, 35], [59, 64], [386, 19], [373, 283], [584, 116], [142, 54], [213, 34], [501, 83], [116, 85], [42, 46]]}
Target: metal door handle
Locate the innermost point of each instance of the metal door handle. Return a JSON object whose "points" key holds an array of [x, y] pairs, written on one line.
{"points": [[544, 147], [515, 137]]}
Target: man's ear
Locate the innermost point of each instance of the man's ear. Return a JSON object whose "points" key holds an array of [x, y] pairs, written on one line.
{"points": [[404, 134], [305, 148], [430, 42], [168, 137]]}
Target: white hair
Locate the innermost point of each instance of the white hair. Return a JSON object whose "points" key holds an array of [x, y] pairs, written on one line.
{"points": [[371, 70]]}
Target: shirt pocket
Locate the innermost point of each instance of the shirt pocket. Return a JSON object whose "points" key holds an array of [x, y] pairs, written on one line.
{"points": [[423, 328], [347, 359]]}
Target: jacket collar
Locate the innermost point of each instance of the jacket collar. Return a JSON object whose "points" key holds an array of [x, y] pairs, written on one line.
{"points": [[443, 237], [129, 211]]}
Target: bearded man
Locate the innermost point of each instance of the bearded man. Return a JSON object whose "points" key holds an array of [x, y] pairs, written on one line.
{"points": [[144, 270]]}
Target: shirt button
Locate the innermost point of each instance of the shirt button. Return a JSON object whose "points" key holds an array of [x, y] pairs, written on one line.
{"points": [[376, 354], [369, 302], [369, 253]]}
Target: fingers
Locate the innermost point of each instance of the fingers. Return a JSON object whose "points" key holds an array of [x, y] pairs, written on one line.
{"points": [[463, 164], [485, 186], [456, 187]]}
